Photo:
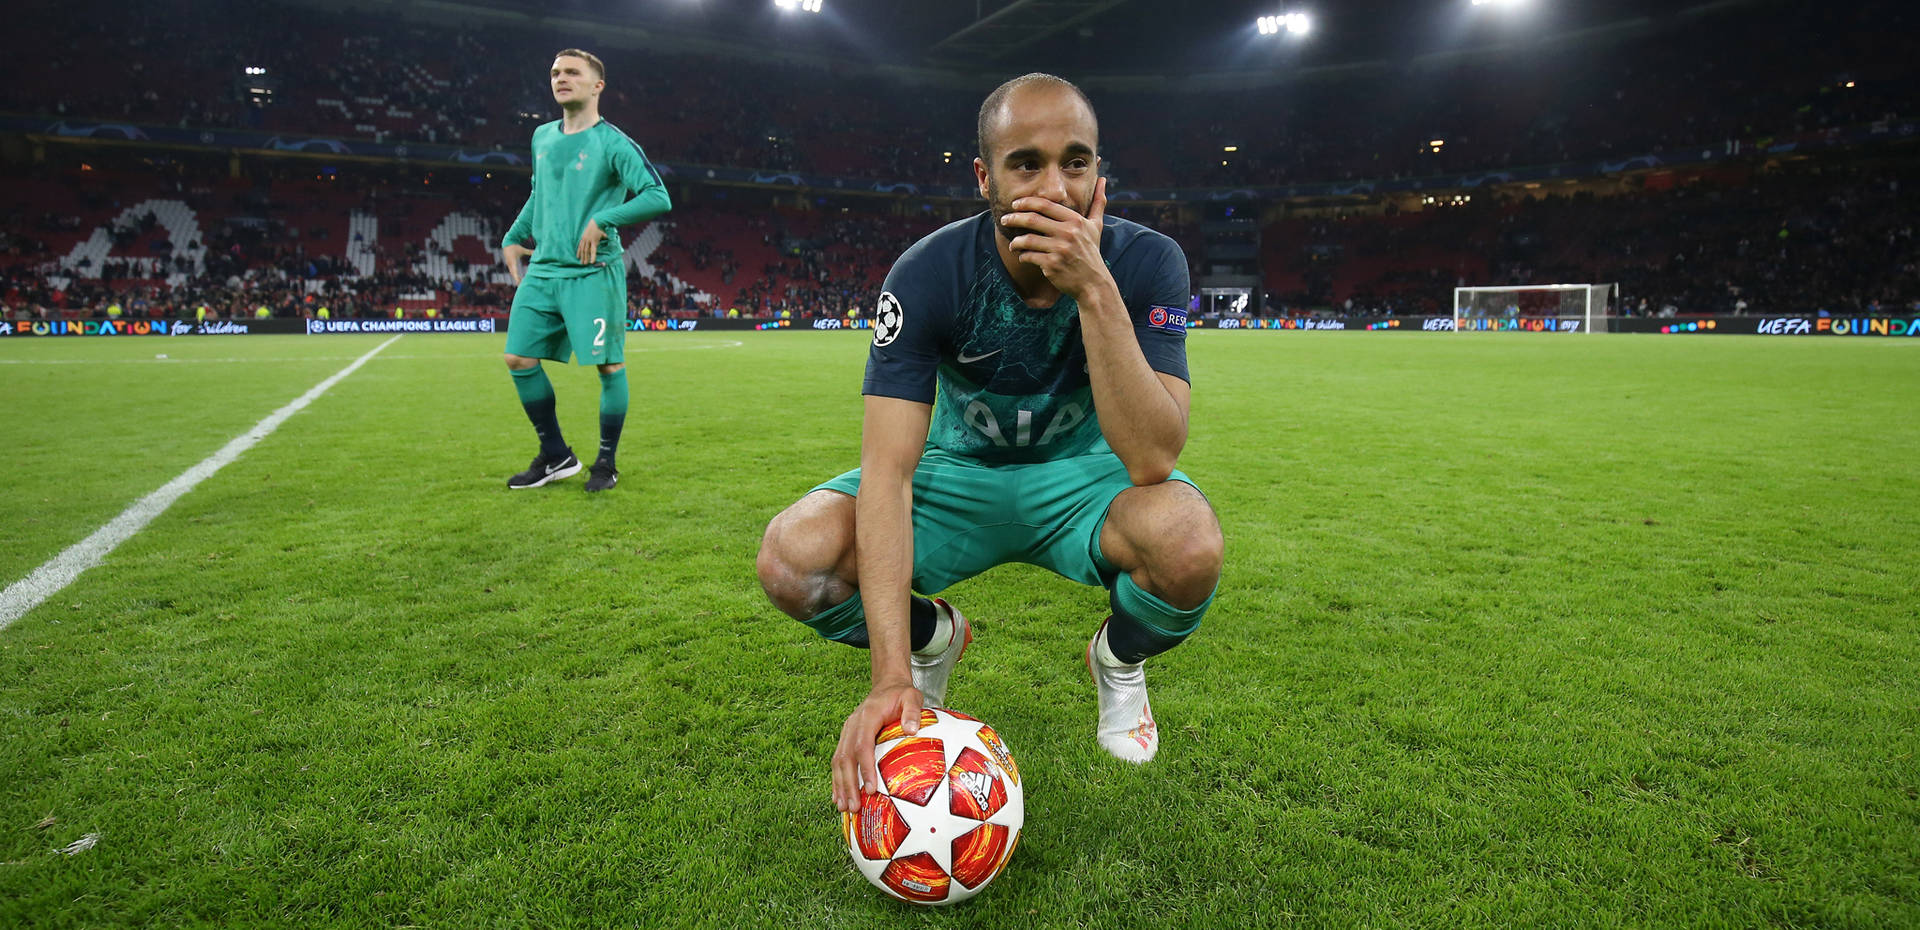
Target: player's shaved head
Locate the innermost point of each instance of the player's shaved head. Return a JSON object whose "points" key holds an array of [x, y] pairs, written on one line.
{"points": [[993, 110]]}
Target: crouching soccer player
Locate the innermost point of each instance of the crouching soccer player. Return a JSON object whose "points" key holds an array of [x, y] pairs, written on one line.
{"points": [[1054, 338], [573, 295]]}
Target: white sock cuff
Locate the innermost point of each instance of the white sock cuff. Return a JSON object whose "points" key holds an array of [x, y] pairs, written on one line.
{"points": [[1103, 653], [943, 632]]}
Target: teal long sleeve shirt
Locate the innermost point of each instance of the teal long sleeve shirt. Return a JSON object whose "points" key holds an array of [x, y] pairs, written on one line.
{"points": [[581, 176]]}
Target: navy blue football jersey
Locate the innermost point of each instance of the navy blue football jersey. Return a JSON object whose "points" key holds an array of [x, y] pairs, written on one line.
{"points": [[1008, 382]]}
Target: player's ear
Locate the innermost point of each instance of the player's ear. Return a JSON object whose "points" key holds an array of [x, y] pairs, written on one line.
{"points": [[980, 175]]}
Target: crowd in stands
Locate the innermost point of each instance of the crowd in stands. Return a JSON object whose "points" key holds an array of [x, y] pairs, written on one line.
{"points": [[1820, 237], [360, 241], [1831, 235], [360, 75]]}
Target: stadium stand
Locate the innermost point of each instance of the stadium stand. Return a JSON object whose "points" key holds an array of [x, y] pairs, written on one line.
{"points": [[368, 240], [167, 232], [1819, 236], [1825, 235]]}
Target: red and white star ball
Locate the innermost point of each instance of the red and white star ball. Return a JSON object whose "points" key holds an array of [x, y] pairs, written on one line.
{"points": [[951, 813]]}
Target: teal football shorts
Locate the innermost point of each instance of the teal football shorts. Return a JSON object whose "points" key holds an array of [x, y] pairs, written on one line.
{"points": [[969, 516], [587, 314]]}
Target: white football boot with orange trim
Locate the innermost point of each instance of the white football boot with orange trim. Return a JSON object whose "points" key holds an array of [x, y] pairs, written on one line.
{"points": [[1126, 727], [932, 670]]}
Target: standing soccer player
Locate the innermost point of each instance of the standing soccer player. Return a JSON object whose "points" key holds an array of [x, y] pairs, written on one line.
{"points": [[1054, 340], [573, 295]]}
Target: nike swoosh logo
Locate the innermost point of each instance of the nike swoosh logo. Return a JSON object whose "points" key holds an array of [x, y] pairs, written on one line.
{"points": [[970, 359]]}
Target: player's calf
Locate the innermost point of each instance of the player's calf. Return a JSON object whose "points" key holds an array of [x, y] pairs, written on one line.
{"points": [[555, 460], [613, 418]]}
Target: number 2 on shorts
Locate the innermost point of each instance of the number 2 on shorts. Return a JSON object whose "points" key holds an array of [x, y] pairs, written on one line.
{"points": [[600, 337]]}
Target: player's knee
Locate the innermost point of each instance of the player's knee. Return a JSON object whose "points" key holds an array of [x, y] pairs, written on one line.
{"points": [[520, 362], [1187, 561], [800, 558], [797, 591], [1190, 572], [775, 568]]}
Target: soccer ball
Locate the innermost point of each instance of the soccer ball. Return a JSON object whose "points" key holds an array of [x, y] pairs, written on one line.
{"points": [[950, 816]]}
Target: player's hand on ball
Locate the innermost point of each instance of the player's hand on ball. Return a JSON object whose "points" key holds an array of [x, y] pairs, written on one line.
{"points": [[1064, 245], [513, 255], [590, 240], [854, 769]]}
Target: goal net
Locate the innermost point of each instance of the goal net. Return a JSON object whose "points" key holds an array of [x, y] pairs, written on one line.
{"points": [[1550, 308]]}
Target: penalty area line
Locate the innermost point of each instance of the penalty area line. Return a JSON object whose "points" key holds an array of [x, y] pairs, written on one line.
{"points": [[60, 571]]}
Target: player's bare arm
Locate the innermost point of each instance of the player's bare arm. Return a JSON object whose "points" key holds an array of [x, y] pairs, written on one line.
{"points": [[892, 436], [1143, 413]]}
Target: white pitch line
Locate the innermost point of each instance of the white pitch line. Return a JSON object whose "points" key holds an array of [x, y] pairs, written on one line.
{"points": [[60, 571], [185, 360], [728, 344]]}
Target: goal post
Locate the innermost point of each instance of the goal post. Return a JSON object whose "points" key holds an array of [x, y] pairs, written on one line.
{"points": [[1553, 308]]}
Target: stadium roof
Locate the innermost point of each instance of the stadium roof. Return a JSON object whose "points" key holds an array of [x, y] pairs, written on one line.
{"points": [[1089, 36], [1017, 25]]}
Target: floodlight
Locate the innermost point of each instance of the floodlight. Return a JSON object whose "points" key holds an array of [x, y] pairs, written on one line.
{"points": [[804, 6], [1295, 23]]}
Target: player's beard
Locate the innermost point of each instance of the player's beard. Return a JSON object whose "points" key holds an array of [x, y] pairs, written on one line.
{"points": [[1000, 207]]}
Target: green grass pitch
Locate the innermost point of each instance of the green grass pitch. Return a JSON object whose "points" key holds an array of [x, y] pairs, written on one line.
{"points": [[1516, 630]]}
